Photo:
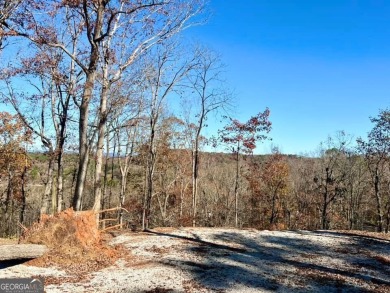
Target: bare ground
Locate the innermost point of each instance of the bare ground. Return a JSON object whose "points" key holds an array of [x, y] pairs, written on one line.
{"points": [[226, 260]]}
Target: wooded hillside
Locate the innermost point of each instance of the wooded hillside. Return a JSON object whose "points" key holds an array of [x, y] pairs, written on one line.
{"points": [[275, 191], [105, 105]]}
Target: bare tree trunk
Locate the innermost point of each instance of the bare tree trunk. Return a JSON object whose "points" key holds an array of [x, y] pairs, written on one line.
{"points": [[59, 153], [273, 210], [60, 189], [61, 137], [100, 146], [181, 199], [195, 182], [326, 201], [236, 188], [324, 212], [84, 145], [48, 186], [112, 174], [122, 196], [83, 154], [351, 210], [195, 167], [24, 195], [149, 179], [378, 203], [206, 73], [124, 173], [105, 177]]}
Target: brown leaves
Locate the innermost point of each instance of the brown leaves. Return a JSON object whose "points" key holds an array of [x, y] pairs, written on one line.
{"points": [[13, 158], [72, 3], [12, 131], [12, 135], [275, 173]]}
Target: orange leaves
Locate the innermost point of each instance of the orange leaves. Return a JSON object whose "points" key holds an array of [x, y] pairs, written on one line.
{"points": [[13, 158], [12, 130], [12, 135]]}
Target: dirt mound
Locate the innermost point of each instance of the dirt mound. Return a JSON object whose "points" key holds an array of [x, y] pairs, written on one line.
{"points": [[75, 242]]}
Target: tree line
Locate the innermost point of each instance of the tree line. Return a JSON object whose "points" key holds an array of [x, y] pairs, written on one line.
{"points": [[98, 84]]}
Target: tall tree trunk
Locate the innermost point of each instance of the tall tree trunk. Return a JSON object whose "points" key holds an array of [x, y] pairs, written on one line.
{"points": [[60, 181], [149, 192], [112, 173], [100, 145], [122, 195], [54, 197], [181, 199], [273, 210], [84, 145], [195, 166], [324, 212], [24, 195], [149, 178], [194, 183], [105, 177], [378, 202], [124, 172], [48, 186], [61, 137], [83, 157], [236, 188]]}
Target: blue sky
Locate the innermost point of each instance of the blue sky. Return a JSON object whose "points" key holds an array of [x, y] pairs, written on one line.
{"points": [[320, 66]]}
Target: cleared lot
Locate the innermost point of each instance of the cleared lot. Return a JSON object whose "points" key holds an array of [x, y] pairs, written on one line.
{"points": [[231, 260]]}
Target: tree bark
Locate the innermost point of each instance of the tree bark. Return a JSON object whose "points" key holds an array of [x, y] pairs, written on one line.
{"points": [[100, 146], [195, 168], [83, 154], [149, 177], [48, 186], [378, 202], [84, 145], [236, 187]]}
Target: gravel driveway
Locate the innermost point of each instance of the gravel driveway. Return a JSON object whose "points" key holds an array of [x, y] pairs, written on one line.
{"points": [[231, 260]]}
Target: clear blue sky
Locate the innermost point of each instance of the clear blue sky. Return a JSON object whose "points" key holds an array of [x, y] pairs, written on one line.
{"points": [[320, 66]]}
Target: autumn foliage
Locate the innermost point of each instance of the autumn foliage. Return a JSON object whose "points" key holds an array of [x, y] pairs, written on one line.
{"points": [[275, 179], [14, 160], [92, 82], [242, 137]]}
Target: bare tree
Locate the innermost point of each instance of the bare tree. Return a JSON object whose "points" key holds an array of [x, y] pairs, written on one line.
{"points": [[163, 71], [54, 82], [331, 176], [241, 138], [376, 151], [206, 83], [126, 123], [118, 55], [7, 11], [112, 34]]}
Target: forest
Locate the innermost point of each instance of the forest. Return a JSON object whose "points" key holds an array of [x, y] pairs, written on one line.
{"points": [[104, 106]]}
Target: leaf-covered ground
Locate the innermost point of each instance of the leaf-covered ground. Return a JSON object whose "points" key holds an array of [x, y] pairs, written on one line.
{"points": [[229, 260]]}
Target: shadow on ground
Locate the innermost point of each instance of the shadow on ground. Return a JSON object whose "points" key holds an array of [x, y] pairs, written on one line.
{"points": [[293, 261], [10, 263]]}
